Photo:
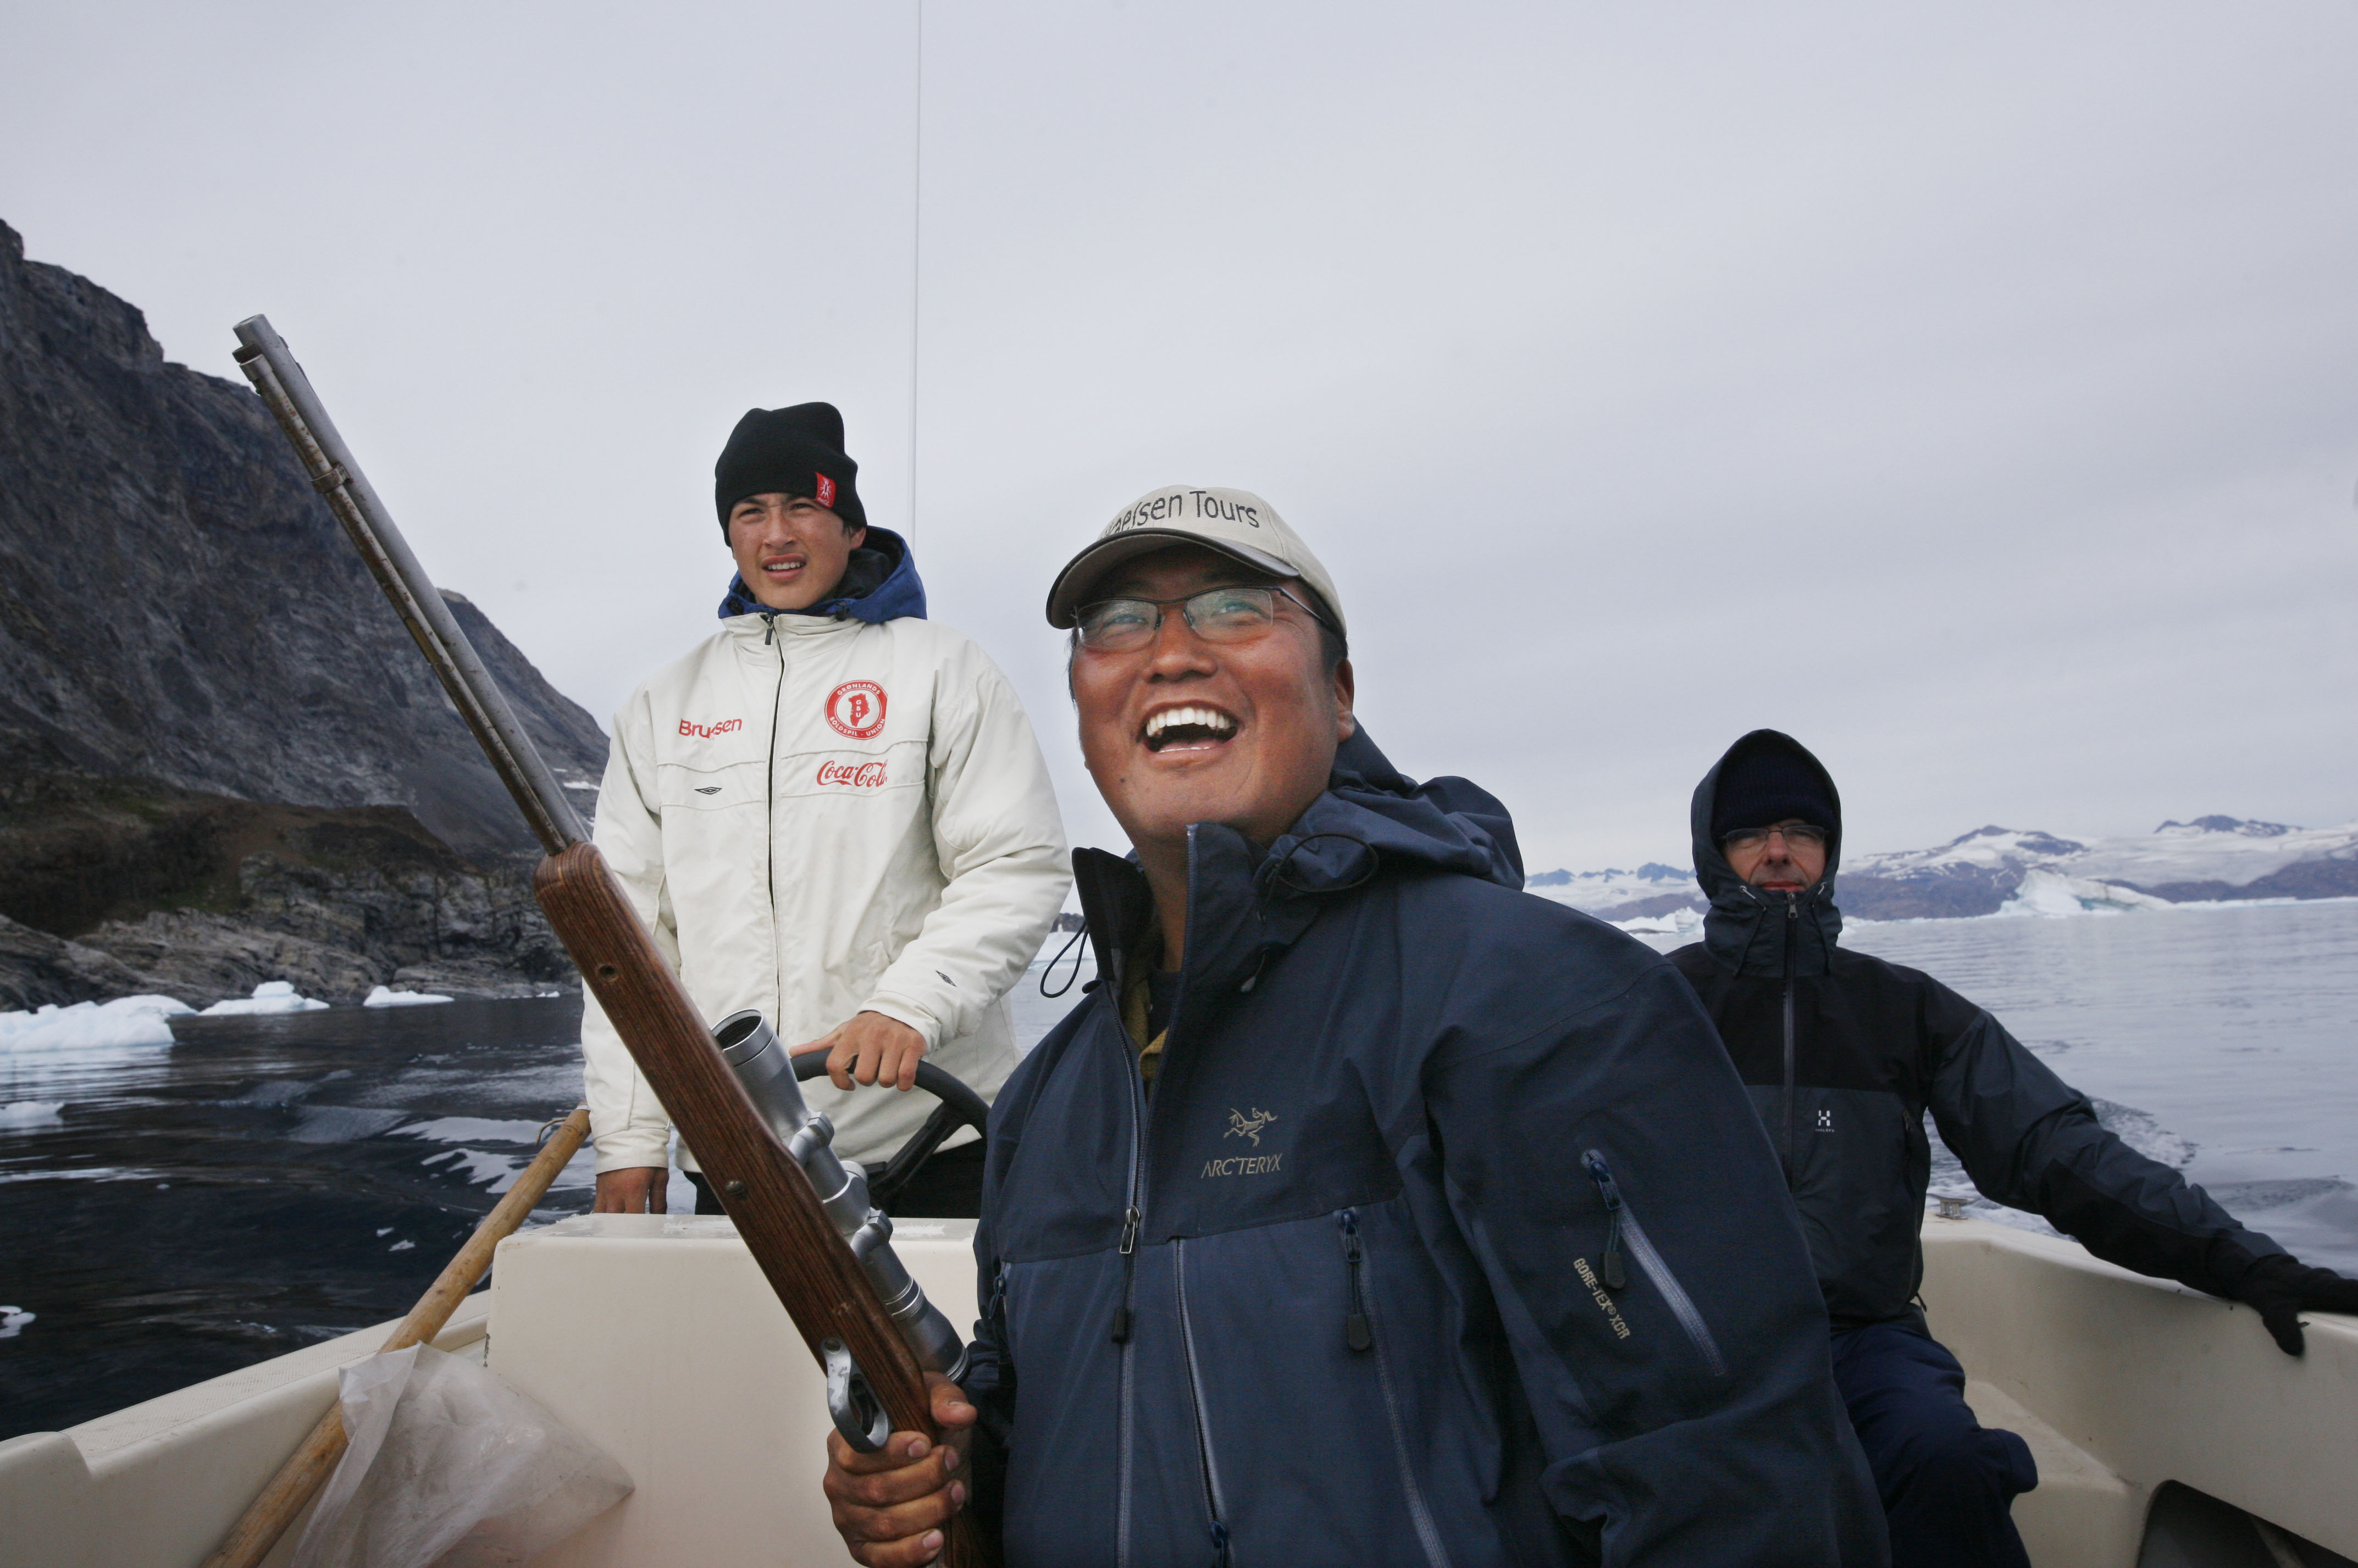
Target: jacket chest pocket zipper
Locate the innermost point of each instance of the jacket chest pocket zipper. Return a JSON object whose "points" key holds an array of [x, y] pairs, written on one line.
{"points": [[1359, 1336], [1213, 1508], [1623, 1228]]}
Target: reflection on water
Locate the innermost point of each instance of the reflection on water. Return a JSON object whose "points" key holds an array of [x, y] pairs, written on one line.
{"points": [[176, 1212], [171, 1213]]}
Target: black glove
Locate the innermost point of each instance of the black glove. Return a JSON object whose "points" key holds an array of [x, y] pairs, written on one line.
{"points": [[2281, 1288]]}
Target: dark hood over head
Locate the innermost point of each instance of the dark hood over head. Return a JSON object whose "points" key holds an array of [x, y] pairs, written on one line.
{"points": [[1748, 930]]}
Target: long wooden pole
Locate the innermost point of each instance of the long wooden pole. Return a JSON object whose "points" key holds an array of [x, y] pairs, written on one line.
{"points": [[822, 1286], [266, 1518]]}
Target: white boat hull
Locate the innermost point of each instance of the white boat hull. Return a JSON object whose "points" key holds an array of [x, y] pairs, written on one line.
{"points": [[657, 1338]]}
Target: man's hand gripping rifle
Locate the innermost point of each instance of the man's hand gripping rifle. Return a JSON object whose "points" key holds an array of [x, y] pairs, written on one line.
{"points": [[856, 1308]]}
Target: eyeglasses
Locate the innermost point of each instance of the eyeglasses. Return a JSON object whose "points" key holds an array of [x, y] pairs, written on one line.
{"points": [[1217, 615], [1801, 835]]}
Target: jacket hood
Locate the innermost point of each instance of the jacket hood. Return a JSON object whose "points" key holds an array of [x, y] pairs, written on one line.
{"points": [[1372, 810], [1757, 933], [1248, 902], [880, 584]]}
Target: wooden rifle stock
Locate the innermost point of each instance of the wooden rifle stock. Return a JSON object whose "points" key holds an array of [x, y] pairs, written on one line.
{"points": [[817, 1279], [823, 1287], [821, 1284]]}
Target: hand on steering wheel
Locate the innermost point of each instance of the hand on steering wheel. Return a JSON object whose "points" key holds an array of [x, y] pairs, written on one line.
{"points": [[870, 1048], [959, 1107]]}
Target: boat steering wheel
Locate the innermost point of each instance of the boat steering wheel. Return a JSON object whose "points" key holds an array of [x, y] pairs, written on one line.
{"points": [[959, 1107]]}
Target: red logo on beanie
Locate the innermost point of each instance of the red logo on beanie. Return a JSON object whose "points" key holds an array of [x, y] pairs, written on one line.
{"points": [[824, 491], [856, 709]]}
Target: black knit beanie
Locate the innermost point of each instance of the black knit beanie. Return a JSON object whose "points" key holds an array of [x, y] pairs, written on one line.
{"points": [[790, 451], [1768, 783]]}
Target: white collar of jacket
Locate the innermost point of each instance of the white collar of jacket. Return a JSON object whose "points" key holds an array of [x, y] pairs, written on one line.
{"points": [[758, 628]]}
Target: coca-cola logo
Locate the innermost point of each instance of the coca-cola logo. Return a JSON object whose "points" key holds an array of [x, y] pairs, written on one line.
{"points": [[707, 731], [856, 709], [859, 775]]}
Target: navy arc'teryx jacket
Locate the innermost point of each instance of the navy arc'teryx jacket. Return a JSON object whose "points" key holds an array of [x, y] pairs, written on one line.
{"points": [[1447, 1236]]}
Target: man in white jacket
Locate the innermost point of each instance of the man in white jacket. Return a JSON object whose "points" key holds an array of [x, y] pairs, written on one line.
{"points": [[834, 811]]}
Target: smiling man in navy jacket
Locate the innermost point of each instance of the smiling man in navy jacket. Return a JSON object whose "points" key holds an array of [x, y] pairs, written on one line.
{"points": [[1371, 1211]]}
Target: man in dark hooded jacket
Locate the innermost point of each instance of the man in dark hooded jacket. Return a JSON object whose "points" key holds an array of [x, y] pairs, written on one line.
{"points": [[1370, 1211], [1844, 1054]]}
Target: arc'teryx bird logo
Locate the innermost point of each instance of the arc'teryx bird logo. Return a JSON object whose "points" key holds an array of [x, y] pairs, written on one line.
{"points": [[1243, 1126]]}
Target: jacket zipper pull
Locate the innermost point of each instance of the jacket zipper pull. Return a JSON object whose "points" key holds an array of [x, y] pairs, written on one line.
{"points": [[1357, 1331], [994, 1311], [1128, 1263], [769, 630], [1219, 1544], [1615, 1276]]}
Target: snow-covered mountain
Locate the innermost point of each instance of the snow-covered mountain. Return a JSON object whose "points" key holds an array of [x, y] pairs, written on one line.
{"points": [[1651, 888], [1990, 869], [2208, 859]]}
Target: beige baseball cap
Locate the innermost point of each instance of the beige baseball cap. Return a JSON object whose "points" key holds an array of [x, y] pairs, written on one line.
{"points": [[1235, 522]]}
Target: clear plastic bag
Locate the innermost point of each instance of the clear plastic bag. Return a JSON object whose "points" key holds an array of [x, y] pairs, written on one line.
{"points": [[449, 1466]]}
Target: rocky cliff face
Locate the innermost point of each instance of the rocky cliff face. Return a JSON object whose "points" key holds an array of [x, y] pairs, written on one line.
{"points": [[176, 604], [222, 760]]}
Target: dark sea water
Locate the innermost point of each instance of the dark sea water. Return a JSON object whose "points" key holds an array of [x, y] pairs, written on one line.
{"points": [[261, 1185], [2220, 1040], [268, 1181]]}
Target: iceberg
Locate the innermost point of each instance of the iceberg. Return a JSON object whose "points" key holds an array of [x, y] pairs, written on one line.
{"points": [[384, 996], [130, 1021], [2050, 894], [1677, 923], [270, 996]]}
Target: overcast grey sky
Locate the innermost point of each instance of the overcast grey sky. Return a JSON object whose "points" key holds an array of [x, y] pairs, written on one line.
{"points": [[1972, 391]]}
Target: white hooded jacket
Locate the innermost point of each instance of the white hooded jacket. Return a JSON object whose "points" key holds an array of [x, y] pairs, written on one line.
{"points": [[818, 817]]}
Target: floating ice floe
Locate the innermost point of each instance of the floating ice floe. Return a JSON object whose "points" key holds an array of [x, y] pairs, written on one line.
{"points": [[384, 996], [2051, 893], [270, 996], [31, 1113], [126, 1021], [1677, 923]]}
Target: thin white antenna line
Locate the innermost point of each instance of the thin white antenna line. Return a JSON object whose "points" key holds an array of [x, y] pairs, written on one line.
{"points": [[917, 257]]}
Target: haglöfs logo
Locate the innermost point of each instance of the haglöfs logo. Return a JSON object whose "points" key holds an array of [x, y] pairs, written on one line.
{"points": [[824, 490], [860, 776], [707, 731], [856, 709]]}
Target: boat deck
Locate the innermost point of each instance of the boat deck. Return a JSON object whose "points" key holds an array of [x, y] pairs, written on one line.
{"points": [[657, 1338]]}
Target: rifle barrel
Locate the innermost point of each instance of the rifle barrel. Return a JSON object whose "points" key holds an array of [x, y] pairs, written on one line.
{"points": [[268, 364], [820, 1283]]}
